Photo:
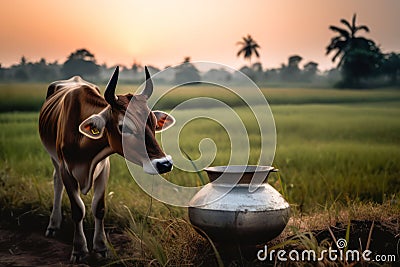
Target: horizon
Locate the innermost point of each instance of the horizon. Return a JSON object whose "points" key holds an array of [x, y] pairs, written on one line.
{"points": [[132, 31]]}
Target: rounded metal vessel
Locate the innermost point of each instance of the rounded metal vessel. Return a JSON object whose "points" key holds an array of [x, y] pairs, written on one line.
{"points": [[239, 215]]}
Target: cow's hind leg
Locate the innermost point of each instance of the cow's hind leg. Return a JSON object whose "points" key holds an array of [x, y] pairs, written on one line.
{"points": [[79, 250], [98, 208], [56, 216]]}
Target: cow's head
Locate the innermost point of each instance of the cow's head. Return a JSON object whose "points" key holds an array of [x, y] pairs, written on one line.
{"points": [[130, 127]]}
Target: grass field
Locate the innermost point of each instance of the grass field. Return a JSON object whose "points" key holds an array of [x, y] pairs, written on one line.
{"points": [[334, 147], [30, 97]]}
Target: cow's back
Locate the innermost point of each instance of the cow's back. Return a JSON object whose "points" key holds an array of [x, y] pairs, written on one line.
{"points": [[67, 104]]}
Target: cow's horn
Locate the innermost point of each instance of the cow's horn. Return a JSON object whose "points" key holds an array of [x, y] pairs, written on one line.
{"points": [[148, 89], [109, 93]]}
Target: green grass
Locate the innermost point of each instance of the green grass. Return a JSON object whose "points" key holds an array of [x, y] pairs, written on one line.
{"points": [[30, 97], [338, 152], [22, 97], [325, 153], [334, 147]]}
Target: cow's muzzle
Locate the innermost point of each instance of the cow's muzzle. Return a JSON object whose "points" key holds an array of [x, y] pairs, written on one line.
{"points": [[158, 166]]}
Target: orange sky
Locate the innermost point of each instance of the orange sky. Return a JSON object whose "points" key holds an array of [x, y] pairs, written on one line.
{"points": [[163, 32]]}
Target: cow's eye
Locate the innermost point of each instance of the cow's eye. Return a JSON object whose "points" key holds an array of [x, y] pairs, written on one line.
{"points": [[125, 130]]}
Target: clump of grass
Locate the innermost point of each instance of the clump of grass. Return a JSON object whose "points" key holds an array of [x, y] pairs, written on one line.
{"points": [[198, 171], [166, 242], [320, 230]]}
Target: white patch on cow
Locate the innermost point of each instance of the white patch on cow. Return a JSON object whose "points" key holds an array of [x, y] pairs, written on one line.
{"points": [[99, 168], [150, 167]]}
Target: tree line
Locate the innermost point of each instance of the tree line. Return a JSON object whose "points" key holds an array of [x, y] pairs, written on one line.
{"points": [[360, 64]]}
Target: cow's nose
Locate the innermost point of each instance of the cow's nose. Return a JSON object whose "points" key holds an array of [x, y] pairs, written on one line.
{"points": [[158, 166], [164, 166]]}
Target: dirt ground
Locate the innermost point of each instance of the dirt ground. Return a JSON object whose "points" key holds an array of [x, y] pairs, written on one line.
{"points": [[31, 248], [21, 245]]}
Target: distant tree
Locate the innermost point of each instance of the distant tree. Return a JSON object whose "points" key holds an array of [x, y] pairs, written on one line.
{"points": [[294, 61], [359, 56], [272, 74], [21, 75], [187, 72], [41, 71], [391, 67], [347, 39], [257, 67], [333, 75], [1, 72], [249, 72], [20, 71], [81, 62], [311, 67], [248, 48], [103, 66], [136, 67], [217, 75], [291, 72], [258, 72], [310, 70], [82, 54], [359, 65], [23, 61]]}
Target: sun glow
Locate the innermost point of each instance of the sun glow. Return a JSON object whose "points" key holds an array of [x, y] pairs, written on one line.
{"points": [[164, 32]]}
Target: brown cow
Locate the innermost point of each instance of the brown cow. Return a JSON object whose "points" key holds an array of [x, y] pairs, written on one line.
{"points": [[80, 129]]}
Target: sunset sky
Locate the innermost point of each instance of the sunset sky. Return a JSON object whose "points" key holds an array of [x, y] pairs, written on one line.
{"points": [[162, 33]]}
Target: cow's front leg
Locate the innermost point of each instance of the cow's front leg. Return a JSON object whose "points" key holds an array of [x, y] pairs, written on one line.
{"points": [[79, 250], [98, 207], [56, 216]]}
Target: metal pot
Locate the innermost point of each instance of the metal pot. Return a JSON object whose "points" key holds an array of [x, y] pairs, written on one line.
{"points": [[239, 215]]}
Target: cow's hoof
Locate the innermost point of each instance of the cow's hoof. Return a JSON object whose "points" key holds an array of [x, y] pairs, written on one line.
{"points": [[100, 256], [103, 254], [50, 232], [78, 257]]}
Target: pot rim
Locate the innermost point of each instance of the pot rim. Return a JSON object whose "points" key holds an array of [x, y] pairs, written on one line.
{"points": [[241, 169]]}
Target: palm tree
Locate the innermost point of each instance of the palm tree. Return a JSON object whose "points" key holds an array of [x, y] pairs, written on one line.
{"points": [[249, 46], [360, 58], [347, 40]]}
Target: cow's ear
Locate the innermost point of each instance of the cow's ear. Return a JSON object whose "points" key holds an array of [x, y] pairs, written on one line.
{"points": [[93, 127], [164, 120]]}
